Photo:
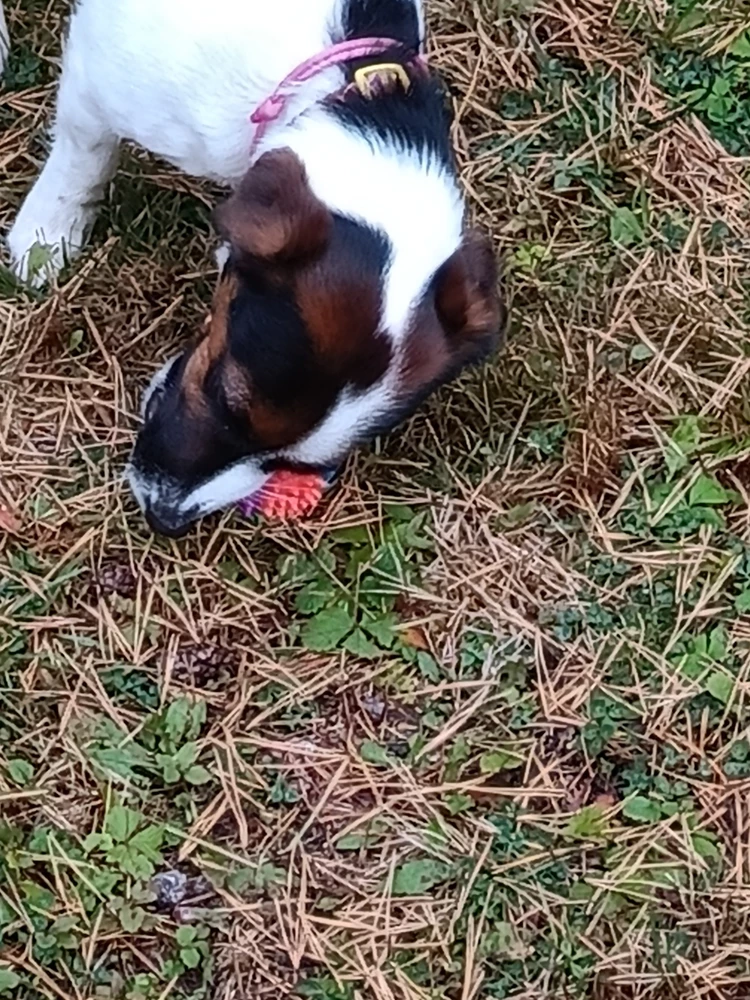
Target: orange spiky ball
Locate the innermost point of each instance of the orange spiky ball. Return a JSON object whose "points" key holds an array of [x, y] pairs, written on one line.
{"points": [[286, 496]]}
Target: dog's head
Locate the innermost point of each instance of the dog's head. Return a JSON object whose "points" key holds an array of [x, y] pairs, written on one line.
{"points": [[295, 365]]}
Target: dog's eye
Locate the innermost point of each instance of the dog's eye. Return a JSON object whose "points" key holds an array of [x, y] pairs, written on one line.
{"points": [[153, 394], [152, 404], [153, 401]]}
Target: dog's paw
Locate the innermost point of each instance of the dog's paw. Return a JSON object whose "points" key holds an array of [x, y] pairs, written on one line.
{"points": [[40, 250], [4, 41], [38, 265]]}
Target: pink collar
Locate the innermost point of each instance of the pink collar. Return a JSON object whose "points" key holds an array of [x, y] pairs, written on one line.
{"points": [[275, 104]]}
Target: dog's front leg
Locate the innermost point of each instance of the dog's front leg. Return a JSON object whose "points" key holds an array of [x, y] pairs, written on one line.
{"points": [[4, 38], [60, 208]]}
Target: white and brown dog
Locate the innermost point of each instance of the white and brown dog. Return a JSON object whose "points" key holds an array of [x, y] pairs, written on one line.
{"points": [[350, 289]]}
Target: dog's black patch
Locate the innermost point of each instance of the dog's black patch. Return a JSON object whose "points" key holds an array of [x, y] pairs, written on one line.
{"points": [[172, 441], [396, 19], [418, 119], [269, 339]]}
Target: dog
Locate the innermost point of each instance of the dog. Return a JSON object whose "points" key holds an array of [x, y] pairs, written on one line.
{"points": [[350, 287]]}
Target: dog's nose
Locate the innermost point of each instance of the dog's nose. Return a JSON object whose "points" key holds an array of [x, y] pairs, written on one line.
{"points": [[162, 526]]}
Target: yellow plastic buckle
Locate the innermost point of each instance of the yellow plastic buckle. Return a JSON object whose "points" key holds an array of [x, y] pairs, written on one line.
{"points": [[392, 72]]}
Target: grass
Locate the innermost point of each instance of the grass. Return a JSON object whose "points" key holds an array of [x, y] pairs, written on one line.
{"points": [[480, 729]]}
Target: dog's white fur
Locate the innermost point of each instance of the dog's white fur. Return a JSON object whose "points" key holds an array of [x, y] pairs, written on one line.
{"points": [[4, 38], [181, 77]]}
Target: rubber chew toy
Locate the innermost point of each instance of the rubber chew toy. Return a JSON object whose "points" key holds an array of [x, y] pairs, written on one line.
{"points": [[286, 496]]}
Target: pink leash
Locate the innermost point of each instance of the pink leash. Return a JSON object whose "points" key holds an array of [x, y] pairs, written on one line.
{"points": [[274, 105]]}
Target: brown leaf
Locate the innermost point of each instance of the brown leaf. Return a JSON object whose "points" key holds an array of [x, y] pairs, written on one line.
{"points": [[415, 636], [9, 521], [605, 801]]}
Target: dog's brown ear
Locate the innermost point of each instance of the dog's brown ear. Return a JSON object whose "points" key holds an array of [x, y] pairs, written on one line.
{"points": [[466, 294], [274, 213]]}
